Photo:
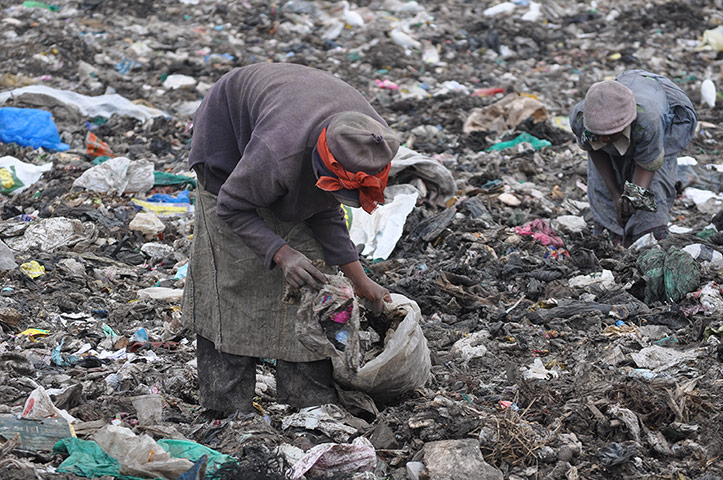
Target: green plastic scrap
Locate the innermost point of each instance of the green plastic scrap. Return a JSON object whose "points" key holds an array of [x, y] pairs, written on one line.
{"points": [[536, 143], [650, 264], [87, 459], [668, 276], [30, 4], [681, 274], [194, 451], [164, 178], [706, 233]]}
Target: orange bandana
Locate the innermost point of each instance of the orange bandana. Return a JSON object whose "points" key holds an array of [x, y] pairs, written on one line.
{"points": [[370, 187]]}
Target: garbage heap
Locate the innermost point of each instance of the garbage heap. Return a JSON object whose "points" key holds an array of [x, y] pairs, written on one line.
{"points": [[553, 353]]}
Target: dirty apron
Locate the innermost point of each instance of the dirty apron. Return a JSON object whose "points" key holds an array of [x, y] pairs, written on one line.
{"points": [[232, 299], [679, 128]]}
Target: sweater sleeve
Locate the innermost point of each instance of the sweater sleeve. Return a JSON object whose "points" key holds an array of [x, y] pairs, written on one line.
{"points": [[330, 230], [254, 183]]}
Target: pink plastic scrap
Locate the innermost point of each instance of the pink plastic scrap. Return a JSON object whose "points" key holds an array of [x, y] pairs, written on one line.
{"points": [[387, 84], [541, 232], [358, 456]]}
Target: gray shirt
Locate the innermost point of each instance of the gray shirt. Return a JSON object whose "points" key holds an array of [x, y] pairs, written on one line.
{"points": [[254, 135], [664, 125], [647, 131]]}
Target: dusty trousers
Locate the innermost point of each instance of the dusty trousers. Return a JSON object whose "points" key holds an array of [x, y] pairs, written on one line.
{"points": [[227, 382]]}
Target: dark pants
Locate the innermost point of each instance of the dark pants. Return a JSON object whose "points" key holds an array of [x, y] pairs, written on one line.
{"points": [[227, 382]]}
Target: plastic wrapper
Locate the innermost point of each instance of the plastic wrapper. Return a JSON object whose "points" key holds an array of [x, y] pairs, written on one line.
{"points": [[30, 127], [16, 176], [140, 455]]}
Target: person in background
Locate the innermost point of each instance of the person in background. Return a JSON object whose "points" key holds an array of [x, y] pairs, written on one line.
{"points": [[632, 128], [276, 148]]}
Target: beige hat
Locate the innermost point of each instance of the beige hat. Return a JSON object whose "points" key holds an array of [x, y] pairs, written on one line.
{"points": [[360, 143], [609, 107]]}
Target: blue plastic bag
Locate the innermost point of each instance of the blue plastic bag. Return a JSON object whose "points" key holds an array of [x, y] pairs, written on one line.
{"points": [[30, 127]]}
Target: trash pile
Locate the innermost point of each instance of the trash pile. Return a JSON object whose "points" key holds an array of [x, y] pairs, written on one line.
{"points": [[552, 353]]}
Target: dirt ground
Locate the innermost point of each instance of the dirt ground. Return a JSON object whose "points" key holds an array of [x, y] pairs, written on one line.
{"points": [[594, 413]]}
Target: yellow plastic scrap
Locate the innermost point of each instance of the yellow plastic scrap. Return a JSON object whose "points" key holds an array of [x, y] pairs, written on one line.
{"points": [[615, 56], [33, 269], [35, 333], [714, 38]]}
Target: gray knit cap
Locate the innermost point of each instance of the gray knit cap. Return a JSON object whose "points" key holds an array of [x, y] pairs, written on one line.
{"points": [[609, 107], [360, 143]]}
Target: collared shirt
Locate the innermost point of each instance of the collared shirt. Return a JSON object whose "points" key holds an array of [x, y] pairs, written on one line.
{"points": [[621, 144]]}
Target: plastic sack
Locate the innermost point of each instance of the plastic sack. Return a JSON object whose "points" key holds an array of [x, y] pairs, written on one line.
{"points": [[39, 405], [16, 176], [30, 127], [380, 230], [119, 174], [139, 455], [403, 364]]}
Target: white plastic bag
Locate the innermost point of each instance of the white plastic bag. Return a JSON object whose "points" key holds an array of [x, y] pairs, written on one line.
{"points": [[120, 174], [404, 363], [16, 176], [39, 406]]}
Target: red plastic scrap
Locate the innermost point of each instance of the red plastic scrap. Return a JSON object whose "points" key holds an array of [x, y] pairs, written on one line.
{"points": [[97, 147], [487, 92]]}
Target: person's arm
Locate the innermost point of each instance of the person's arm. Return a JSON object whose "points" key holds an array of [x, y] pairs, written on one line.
{"points": [[643, 177], [602, 163], [365, 286]]}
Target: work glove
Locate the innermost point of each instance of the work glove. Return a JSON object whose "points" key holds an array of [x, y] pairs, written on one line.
{"points": [[298, 269]]}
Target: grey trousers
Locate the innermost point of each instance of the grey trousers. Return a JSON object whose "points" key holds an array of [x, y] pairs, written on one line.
{"points": [[227, 382]]}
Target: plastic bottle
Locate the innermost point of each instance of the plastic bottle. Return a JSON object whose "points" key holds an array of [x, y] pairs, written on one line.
{"points": [[707, 93]]}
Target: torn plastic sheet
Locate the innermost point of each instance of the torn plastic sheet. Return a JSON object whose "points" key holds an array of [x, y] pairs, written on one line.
{"points": [[100, 106], [380, 230], [120, 174], [47, 234], [30, 127], [139, 455], [357, 456], [657, 358], [327, 419]]}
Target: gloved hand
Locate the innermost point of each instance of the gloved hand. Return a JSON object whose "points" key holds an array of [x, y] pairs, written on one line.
{"points": [[298, 269], [624, 209]]}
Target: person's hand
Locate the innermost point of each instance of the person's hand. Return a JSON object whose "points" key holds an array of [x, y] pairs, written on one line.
{"points": [[375, 293], [298, 269], [623, 210]]}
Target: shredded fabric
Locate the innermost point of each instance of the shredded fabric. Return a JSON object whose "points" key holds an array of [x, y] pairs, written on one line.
{"points": [[540, 232]]}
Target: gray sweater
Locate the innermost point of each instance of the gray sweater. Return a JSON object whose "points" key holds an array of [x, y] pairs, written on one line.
{"points": [[254, 135]]}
